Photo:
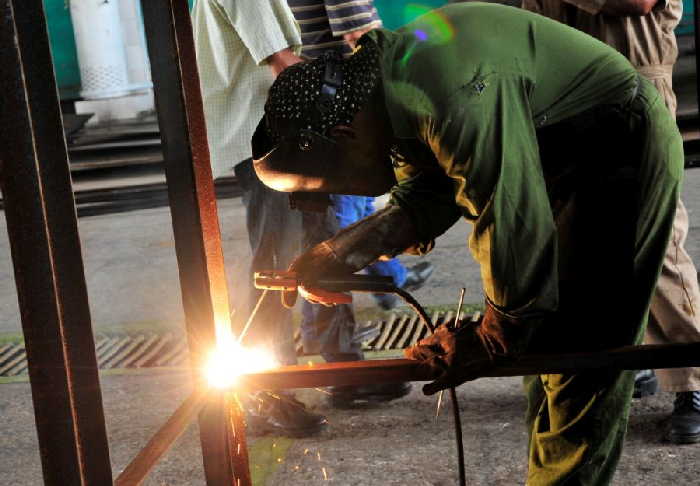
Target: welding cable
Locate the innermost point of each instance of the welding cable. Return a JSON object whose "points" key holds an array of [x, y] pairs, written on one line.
{"points": [[413, 304]]}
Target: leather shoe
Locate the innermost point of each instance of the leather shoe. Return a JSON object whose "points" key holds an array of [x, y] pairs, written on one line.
{"points": [[353, 395], [645, 384], [685, 419], [282, 414]]}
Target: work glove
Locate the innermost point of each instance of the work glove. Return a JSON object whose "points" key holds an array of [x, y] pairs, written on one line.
{"points": [[387, 232], [457, 353]]}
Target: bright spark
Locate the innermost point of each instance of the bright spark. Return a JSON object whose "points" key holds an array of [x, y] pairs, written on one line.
{"points": [[230, 360]]}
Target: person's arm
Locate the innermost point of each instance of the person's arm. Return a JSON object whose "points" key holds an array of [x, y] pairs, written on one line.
{"points": [[281, 60], [618, 8], [427, 196], [268, 30], [351, 21], [487, 144]]}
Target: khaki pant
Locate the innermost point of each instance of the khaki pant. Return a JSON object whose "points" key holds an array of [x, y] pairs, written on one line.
{"points": [[675, 306]]}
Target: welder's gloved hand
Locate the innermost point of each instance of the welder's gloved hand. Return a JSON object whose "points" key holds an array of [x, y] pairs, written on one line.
{"points": [[464, 353], [318, 262], [386, 232]]}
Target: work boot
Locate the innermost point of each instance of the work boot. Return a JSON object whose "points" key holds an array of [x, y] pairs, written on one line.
{"points": [[352, 395], [282, 414], [645, 384], [685, 419], [416, 276]]}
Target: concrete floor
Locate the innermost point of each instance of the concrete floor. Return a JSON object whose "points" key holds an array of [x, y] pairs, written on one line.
{"points": [[395, 444]]}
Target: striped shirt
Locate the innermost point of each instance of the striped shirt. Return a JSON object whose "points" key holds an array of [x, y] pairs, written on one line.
{"points": [[324, 22]]}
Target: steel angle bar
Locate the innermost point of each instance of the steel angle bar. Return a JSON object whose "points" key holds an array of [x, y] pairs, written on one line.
{"points": [[162, 440], [396, 370], [194, 215], [46, 254]]}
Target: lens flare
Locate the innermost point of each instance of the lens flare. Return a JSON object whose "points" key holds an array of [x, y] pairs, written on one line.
{"points": [[434, 26], [230, 360]]}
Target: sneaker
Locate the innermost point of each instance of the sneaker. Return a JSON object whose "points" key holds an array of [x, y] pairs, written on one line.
{"points": [[685, 419], [417, 275], [386, 301], [645, 384], [282, 414], [353, 395]]}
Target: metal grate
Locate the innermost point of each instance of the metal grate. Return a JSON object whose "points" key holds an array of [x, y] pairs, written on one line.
{"points": [[169, 349]]}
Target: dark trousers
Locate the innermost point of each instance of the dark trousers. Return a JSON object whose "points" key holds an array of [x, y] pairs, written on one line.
{"points": [[277, 235], [327, 330], [274, 231]]}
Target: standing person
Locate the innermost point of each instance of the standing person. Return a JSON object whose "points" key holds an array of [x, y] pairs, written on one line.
{"points": [[642, 30], [334, 26], [490, 111], [241, 46]]}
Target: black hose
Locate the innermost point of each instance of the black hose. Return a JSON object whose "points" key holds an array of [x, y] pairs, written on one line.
{"points": [[458, 437], [413, 303]]}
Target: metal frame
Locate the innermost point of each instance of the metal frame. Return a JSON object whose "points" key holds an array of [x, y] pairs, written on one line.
{"points": [[42, 226], [195, 220], [46, 254]]}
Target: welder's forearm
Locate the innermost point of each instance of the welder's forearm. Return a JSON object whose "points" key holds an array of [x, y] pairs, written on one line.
{"points": [[387, 232]]}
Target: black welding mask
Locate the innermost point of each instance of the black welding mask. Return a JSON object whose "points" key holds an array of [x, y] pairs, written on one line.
{"points": [[292, 148]]}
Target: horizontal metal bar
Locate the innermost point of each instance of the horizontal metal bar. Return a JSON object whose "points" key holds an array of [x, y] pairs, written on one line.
{"points": [[396, 370]]}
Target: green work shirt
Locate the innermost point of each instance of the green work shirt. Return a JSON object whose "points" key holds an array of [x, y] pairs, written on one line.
{"points": [[469, 84]]}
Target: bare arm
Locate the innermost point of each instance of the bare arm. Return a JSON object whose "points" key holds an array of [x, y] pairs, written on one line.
{"points": [[622, 8], [352, 37], [281, 60]]}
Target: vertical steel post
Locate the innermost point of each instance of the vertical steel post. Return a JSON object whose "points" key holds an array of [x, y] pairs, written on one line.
{"points": [[195, 222], [696, 33], [46, 254]]}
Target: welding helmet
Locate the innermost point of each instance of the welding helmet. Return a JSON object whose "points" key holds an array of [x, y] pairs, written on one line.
{"points": [[292, 147]]}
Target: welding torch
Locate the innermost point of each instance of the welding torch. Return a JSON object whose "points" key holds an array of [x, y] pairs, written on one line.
{"points": [[336, 286]]}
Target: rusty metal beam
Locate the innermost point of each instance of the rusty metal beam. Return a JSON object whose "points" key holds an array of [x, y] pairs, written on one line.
{"points": [[46, 254], [696, 35], [396, 370], [162, 440], [194, 214]]}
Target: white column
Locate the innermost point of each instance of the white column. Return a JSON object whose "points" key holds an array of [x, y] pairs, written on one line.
{"points": [[101, 48]]}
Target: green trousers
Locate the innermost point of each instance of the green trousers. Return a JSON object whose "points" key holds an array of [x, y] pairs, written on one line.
{"points": [[614, 176]]}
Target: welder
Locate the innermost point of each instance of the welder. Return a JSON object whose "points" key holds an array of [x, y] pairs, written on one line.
{"points": [[565, 161]]}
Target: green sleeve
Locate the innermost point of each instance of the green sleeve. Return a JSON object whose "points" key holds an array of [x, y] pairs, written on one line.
{"points": [[485, 142], [427, 194]]}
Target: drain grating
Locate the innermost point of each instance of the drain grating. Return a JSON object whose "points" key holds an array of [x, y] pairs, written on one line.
{"points": [[170, 349]]}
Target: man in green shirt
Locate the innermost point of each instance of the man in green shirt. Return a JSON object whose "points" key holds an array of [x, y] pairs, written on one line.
{"points": [[565, 161]]}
